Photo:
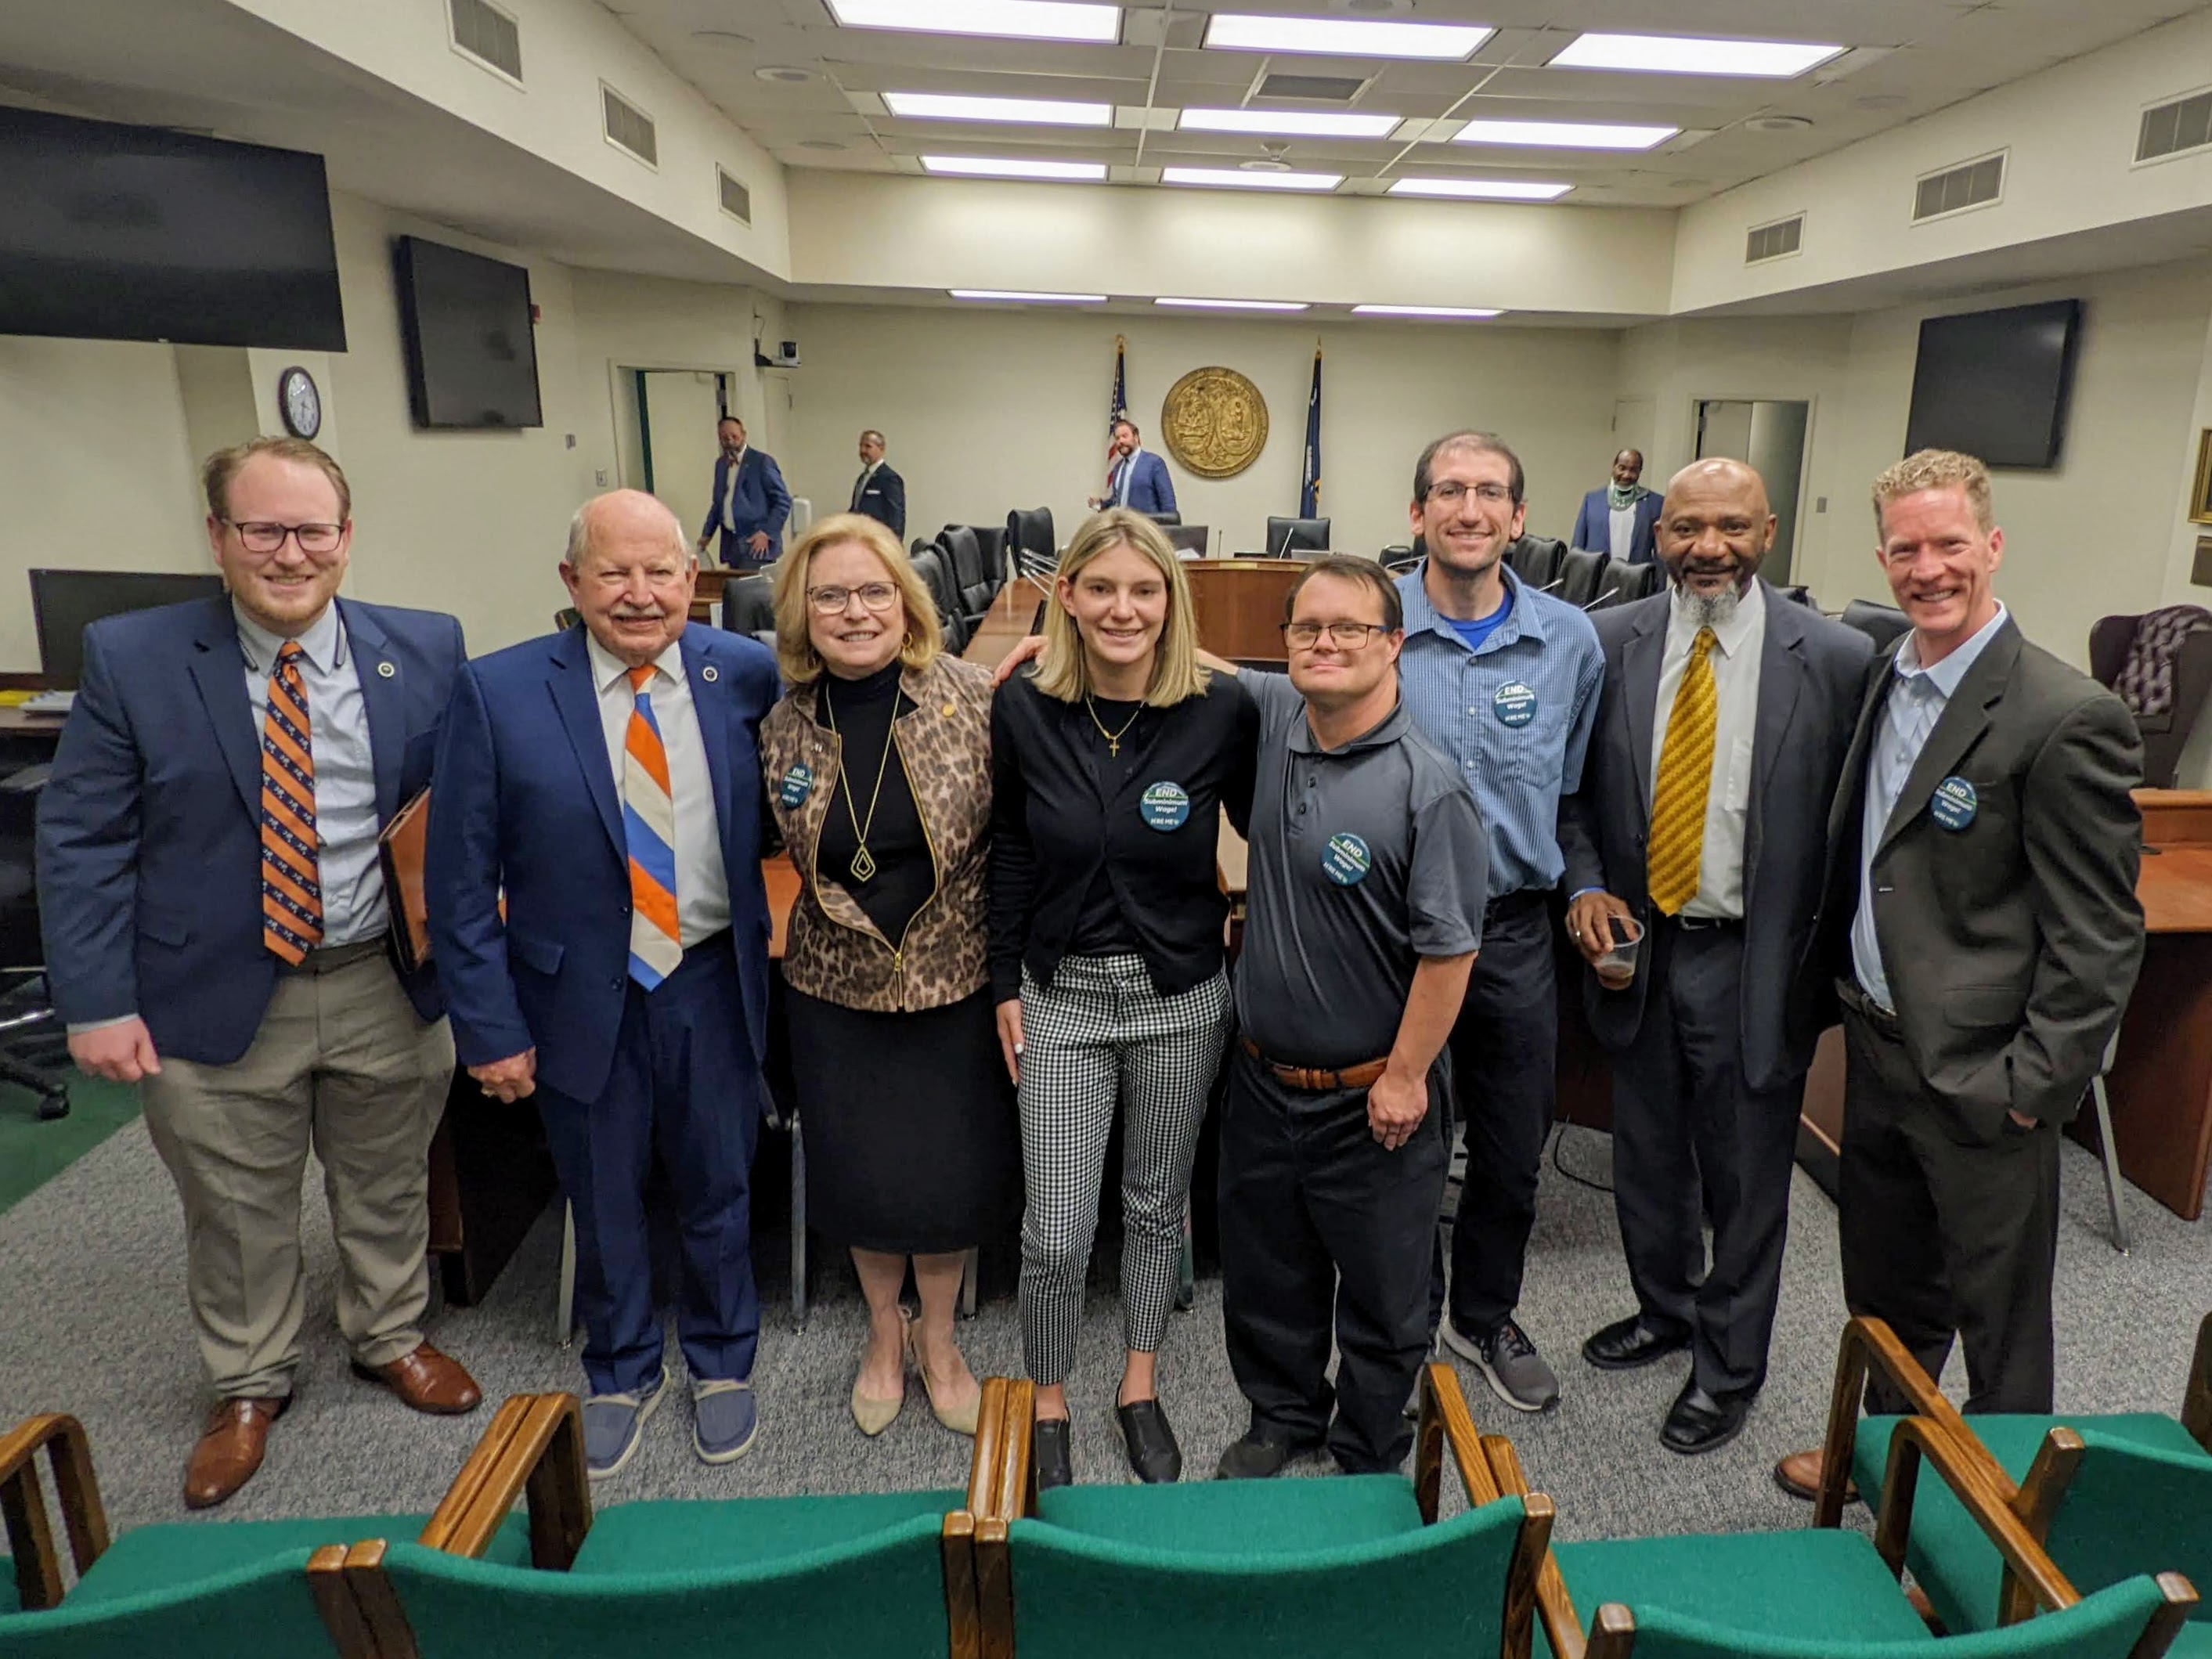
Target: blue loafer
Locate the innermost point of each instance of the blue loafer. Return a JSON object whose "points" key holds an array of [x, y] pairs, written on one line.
{"points": [[614, 1426], [725, 1419]]}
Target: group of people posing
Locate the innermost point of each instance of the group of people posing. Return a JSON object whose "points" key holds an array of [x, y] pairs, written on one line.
{"points": [[1009, 940]]}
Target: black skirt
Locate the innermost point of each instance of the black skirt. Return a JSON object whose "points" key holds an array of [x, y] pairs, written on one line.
{"points": [[913, 1139]]}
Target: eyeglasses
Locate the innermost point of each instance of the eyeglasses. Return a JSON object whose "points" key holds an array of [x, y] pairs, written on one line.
{"points": [[260, 535], [1352, 636], [1451, 494], [878, 597]]}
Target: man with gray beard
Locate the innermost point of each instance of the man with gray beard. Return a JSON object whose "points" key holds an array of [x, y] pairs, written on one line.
{"points": [[1697, 835]]}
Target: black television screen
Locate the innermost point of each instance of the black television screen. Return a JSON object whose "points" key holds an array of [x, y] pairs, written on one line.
{"points": [[123, 233], [64, 602], [471, 353], [1994, 383]]}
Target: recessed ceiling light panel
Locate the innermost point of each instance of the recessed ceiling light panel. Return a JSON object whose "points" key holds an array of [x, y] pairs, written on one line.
{"points": [[1482, 190], [1339, 37], [1563, 135], [1236, 179], [1671, 54], [980, 166], [1426, 311], [1010, 20], [1031, 112], [1290, 123], [1022, 296], [785, 75], [1236, 305]]}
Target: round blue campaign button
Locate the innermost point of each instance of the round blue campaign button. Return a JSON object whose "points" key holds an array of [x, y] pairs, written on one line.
{"points": [[1346, 861], [1954, 803], [1515, 704], [797, 785], [1164, 805]]}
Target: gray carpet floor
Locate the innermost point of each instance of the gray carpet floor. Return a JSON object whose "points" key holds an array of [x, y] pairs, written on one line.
{"points": [[92, 1321]]}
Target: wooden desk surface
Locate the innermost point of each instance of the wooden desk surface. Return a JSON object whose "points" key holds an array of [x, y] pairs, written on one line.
{"points": [[2175, 888], [2175, 817], [1007, 621], [19, 720]]}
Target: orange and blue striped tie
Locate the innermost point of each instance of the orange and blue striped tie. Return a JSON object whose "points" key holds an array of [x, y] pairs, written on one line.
{"points": [[291, 892], [649, 829]]}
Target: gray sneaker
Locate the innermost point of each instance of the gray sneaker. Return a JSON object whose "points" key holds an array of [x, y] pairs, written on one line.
{"points": [[1509, 1361], [725, 1419], [614, 1428]]}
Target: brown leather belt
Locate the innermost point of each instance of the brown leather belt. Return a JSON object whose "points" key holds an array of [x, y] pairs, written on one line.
{"points": [[1313, 1080]]}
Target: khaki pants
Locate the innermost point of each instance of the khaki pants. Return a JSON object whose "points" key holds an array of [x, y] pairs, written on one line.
{"points": [[341, 1063]]}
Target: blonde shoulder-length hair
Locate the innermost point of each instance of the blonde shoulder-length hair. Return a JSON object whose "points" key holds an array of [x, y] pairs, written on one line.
{"points": [[1063, 669], [795, 654]]}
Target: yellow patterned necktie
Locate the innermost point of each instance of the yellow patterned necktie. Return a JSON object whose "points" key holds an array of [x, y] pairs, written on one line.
{"points": [[1685, 777]]}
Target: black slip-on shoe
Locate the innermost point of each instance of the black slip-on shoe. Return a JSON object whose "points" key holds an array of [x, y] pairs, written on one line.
{"points": [[1628, 1343], [1150, 1442], [1701, 1422], [1048, 1454]]}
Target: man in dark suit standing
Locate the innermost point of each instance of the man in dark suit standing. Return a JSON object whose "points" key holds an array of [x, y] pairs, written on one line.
{"points": [[1136, 478], [607, 782], [879, 492], [1622, 519], [1699, 831], [214, 933], [749, 502], [1985, 935]]}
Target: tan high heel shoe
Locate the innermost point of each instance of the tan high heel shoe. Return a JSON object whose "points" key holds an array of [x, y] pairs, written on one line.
{"points": [[874, 1415], [960, 1420]]}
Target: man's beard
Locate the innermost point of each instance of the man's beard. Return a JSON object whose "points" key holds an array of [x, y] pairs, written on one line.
{"points": [[1713, 610]]}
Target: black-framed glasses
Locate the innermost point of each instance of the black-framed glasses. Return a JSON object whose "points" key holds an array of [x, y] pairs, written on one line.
{"points": [[1451, 493], [878, 597], [264, 535], [1348, 635]]}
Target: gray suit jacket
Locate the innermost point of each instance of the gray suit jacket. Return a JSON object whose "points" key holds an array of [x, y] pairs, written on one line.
{"points": [[2011, 944], [1811, 673]]}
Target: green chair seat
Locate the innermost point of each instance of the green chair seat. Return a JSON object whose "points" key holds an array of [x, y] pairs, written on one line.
{"points": [[11, 1599], [1239, 1517], [684, 1537], [2140, 1502]]}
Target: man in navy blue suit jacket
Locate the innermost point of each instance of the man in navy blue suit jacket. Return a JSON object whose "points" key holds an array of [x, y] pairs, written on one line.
{"points": [[214, 923], [1594, 524], [1136, 478], [749, 502], [607, 781]]}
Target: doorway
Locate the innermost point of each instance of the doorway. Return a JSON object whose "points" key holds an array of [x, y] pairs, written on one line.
{"points": [[668, 440], [1770, 434]]}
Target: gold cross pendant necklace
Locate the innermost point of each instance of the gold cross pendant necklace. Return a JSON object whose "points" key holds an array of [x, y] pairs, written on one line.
{"points": [[1113, 738]]}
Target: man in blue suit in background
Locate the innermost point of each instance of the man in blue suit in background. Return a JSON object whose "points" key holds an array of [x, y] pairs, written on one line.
{"points": [[1622, 519], [216, 920], [607, 781], [749, 502], [1136, 478]]}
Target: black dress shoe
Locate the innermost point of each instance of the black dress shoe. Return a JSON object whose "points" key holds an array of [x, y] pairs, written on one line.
{"points": [[1701, 1422], [1048, 1454], [1257, 1457], [1154, 1457], [1628, 1343]]}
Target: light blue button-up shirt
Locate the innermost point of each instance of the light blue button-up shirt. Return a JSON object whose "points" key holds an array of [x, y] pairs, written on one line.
{"points": [[1917, 702], [1514, 718]]}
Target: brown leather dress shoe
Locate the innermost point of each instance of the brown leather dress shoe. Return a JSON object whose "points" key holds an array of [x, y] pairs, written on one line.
{"points": [[427, 1380], [230, 1448], [1799, 1474]]}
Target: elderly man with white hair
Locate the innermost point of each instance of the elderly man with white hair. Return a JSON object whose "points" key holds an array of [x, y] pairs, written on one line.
{"points": [[606, 781]]}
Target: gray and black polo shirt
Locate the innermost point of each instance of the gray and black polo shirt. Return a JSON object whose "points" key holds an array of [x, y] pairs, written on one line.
{"points": [[1364, 859]]}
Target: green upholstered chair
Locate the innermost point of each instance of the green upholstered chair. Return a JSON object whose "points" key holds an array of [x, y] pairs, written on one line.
{"points": [[872, 1575], [2108, 1496], [1282, 1568]]}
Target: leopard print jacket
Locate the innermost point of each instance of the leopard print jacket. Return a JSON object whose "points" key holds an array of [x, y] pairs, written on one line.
{"points": [[833, 951]]}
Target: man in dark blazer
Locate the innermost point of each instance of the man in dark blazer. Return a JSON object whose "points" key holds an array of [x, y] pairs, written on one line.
{"points": [[1623, 518], [214, 933], [1984, 935], [749, 503], [879, 491], [1136, 478], [1699, 830], [606, 781]]}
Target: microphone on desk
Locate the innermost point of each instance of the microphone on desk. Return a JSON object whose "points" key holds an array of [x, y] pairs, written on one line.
{"points": [[1284, 551], [1551, 586]]}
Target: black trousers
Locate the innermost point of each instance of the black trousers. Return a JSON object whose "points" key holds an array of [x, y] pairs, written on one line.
{"points": [[1505, 1051], [1945, 1232], [1687, 1127], [1320, 1225]]}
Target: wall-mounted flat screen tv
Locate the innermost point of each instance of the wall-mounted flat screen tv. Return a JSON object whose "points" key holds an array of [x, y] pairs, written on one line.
{"points": [[121, 233], [1995, 383], [471, 353]]}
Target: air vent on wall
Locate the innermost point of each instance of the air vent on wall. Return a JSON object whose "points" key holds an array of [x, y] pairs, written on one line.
{"points": [[1972, 183], [1325, 88], [737, 200], [1772, 242], [627, 127], [488, 34], [2170, 129]]}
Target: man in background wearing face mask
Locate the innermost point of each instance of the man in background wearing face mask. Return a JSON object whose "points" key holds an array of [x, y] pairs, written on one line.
{"points": [[1699, 831]]}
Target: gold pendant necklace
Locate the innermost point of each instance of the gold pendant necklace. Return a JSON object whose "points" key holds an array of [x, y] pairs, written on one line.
{"points": [[863, 863], [1113, 738]]}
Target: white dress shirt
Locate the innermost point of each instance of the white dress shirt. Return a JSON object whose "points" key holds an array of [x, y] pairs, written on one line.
{"points": [[1737, 644], [860, 483], [1917, 702], [1621, 533], [702, 885], [345, 769], [729, 511], [1123, 474]]}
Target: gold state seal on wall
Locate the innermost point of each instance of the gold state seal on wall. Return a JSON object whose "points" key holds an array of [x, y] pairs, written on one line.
{"points": [[1215, 422]]}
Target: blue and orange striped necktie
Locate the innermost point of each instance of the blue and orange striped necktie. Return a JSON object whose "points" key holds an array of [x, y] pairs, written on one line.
{"points": [[291, 889], [649, 832]]}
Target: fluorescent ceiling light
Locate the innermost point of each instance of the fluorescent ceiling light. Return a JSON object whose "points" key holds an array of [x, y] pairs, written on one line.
{"points": [[1012, 20], [1021, 297], [1039, 112], [1669, 54], [1238, 305], [1563, 135], [1344, 37], [1240, 178], [1290, 124], [1424, 311], [1482, 190], [978, 167]]}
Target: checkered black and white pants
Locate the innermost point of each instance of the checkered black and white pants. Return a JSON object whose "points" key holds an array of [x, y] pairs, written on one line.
{"points": [[1099, 1039]]}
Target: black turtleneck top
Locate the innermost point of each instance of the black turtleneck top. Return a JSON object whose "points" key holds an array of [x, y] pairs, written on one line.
{"points": [[861, 712]]}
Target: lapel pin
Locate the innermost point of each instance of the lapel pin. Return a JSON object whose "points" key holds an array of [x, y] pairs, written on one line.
{"points": [[948, 711], [386, 671], [710, 673]]}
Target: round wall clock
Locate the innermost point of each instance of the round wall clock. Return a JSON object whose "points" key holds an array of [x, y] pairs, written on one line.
{"points": [[299, 402]]}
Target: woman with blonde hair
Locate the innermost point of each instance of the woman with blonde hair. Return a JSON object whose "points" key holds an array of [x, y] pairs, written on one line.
{"points": [[877, 764], [1110, 761]]}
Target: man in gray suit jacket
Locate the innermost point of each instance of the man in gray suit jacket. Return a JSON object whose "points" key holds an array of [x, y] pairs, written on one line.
{"points": [[1699, 829], [1983, 931]]}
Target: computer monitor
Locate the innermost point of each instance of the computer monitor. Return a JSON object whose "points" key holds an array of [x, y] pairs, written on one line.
{"points": [[1188, 539], [66, 602]]}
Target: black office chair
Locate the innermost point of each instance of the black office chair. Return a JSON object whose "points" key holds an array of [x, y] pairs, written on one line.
{"points": [[992, 539], [1623, 583], [33, 1047], [1289, 535], [1881, 623], [1399, 558], [1535, 559], [1029, 540], [1189, 539], [1580, 575], [1165, 519], [971, 577], [1800, 594], [749, 607], [929, 565]]}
